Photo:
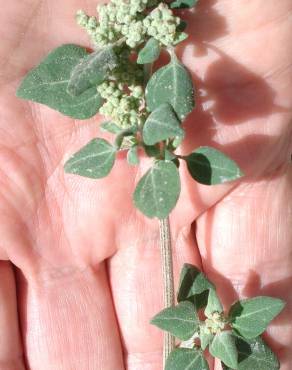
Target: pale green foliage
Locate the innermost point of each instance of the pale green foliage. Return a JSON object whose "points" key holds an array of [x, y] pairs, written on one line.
{"points": [[206, 336], [209, 166], [95, 160], [132, 156], [158, 190], [193, 283], [47, 84], [121, 19], [183, 4], [223, 347], [181, 320], [186, 359], [111, 127], [150, 53], [92, 70], [111, 80], [214, 305], [171, 84], [254, 354], [215, 332], [250, 317], [162, 124]]}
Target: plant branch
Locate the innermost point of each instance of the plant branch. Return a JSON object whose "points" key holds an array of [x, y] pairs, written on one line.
{"points": [[168, 281]]}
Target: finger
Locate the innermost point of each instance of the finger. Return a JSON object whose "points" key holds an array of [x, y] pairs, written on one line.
{"points": [[33, 28], [245, 242], [10, 343], [243, 105], [136, 281], [68, 322]]}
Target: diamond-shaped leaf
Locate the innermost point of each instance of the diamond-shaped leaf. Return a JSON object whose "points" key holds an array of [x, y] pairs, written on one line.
{"points": [[194, 286], [214, 304], [209, 166], [254, 354], [47, 84], [162, 124], [223, 347], [110, 127], [181, 320], [158, 190], [171, 84], [186, 359], [250, 317], [95, 160], [150, 52], [206, 338], [132, 156], [92, 70]]}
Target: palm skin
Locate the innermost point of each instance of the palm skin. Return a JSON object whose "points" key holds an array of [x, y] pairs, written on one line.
{"points": [[87, 277]]}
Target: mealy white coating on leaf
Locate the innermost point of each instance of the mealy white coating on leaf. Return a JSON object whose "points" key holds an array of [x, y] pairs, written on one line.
{"points": [[94, 160], [149, 190], [47, 84]]}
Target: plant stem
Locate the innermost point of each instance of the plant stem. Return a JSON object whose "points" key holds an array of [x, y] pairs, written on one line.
{"points": [[147, 72], [168, 281], [166, 257]]}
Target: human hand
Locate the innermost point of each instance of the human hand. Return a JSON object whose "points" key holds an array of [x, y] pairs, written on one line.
{"points": [[88, 264]]}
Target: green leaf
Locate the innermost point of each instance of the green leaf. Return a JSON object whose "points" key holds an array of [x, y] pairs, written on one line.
{"points": [[92, 70], [182, 26], [186, 359], [127, 132], [162, 124], [95, 160], [177, 141], [194, 286], [158, 190], [205, 338], [171, 84], [47, 84], [152, 150], [254, 354], [250, 317], [132, 156], [110, 127], [214, 304], [209, 166], [150, 52], [181, 320], [183, 4], [169, 156], [182, 36], [223, 347]]}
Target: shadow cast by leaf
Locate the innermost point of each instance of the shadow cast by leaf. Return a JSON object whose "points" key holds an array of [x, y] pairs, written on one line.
{"points": [[276, 289], [238, 94], [205, 24]]}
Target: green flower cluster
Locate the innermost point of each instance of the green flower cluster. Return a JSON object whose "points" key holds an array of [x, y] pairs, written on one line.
{"points": [[127, 71], [128, 20], [162, 25], [214, 324], [128, 24], [125, 109]]}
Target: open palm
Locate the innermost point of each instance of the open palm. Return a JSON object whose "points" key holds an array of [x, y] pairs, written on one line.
{"points": [[87, 277]]}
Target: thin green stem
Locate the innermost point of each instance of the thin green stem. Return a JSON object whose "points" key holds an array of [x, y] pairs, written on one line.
{"points": [[168, 281]]}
